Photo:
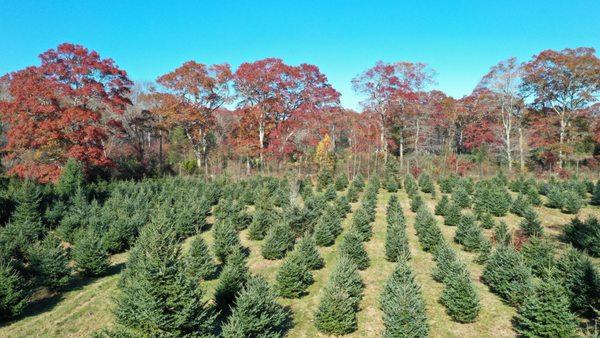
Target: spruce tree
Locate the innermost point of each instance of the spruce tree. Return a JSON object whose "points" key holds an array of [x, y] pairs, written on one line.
{"points": [[531, 225], [445, 262], [428, 232], [278, 241], [484, 252], [341, 182], [72, 178], [307, 250], [89, 253], [507, 274], [330, 194], [28, 200], [49, 261], [343, 206], [157, 297], [442, 205], [226, 240], [539, 255], [14, 292], [572, 202], [345, 275], [257, 313], [352, 193], [487, 221], [416, 202], [520, 205], [199, 262], [262, 221], [403, 306], [453, 215], [353, 247], [426, 184], [232, 279], [545, 313], [323, 234], [501, 234], [293, 277], [469, 234], [581, 280], [584, 235], [460, 298]]}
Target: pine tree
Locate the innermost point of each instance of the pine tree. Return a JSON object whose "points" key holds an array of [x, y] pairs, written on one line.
{"points": [[520, 205], [403, 306], [426, 184], [531, 225], [345, 275], [89, 253], [71, 179], [427, 230], [307, 250], [330, 194], [323, 234], [484, 252], [49, 261], [460, 298], [199, 262], [584, 235], [445, 262], [572, 202], [545, 313], [507, 275], [226, 240], [453, 214], [343, 206], [341, 182], [278, 241], [28, 200], [461, 197], [539, 255], [442, 205], [352, 246], [352, 193], [469, 234], [257, 313], [232, 279], [293, 277], [14, 292], [157, 297], [596, 195], [262, 221], [361, 223]]}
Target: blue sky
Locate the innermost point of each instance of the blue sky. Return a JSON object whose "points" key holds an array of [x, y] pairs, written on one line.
{"points": [[459, 39]]}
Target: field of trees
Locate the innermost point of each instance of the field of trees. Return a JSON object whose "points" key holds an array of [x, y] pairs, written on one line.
{"points": [[248, 202]]}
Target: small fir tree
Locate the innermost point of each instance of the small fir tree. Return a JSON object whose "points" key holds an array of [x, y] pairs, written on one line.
{"points": [[257, 313], [531, 225], [232, 279], [442, 205], [403, 306], [226, 240], [14, 292], [49, 262], [278, 241], [341, 182], [453, 214], [460, 298], [539, 255], [353, 247], [545, 313], [501, 234], [507, 275], [461, 197], [487, 221], [596, 195], [293, 277], [89, 253], [199, 262], [307, 250]]}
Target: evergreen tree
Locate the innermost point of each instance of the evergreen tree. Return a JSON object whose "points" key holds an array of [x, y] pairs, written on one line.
{"points": [[262, 221], [469, 234], [76, 217], [507, 274], [460, 298], [426, 184], [307, 250], [28, 200], [71, 179], [226, 240], [157, 297], [427, 230], [352, 246], [484, 252], [14, 293], [199, 262], [232, 279], [403, 306], [545, 313], [293, 277], [501, 234], [416, 202], [453, 214], [461, 197], [584, 235], [442, 205], [49, 262], [89, 253], [520, 205], [446, 262], [533, 195], [531, 225], [330, 194], [581, 279], [396, 241], [345, 275], [257, 313], [572, 202], [487, 221], [352, 194], [490, 198], [341, 182], [324, 236], [342, 206], [539, 255], [596, 195], [361, 223], [278, 241], [336, 314]]}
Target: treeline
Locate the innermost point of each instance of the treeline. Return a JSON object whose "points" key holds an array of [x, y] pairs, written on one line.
{"points": [[535, 115]]}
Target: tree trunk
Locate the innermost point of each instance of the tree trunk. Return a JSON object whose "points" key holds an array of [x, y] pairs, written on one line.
{"points": [[563, 126], [521, 149]]}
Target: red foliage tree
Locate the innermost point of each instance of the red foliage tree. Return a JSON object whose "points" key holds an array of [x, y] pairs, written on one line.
{"points": [[59, 110]]}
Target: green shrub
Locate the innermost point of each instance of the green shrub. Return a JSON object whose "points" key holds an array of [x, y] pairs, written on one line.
{"points": [[572, 202], [539, 256], [501, 234], [487, 221], [596, 195], [341, 182], [520, 205], [416, 202]]}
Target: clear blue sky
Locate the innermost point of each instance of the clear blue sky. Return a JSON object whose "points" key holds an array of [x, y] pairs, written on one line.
{"points": [[459, 39]]}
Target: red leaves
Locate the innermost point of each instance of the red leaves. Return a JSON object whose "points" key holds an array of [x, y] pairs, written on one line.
{"points": [[56, 109]]}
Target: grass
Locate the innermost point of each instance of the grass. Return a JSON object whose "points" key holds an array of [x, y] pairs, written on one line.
{"points": [[86, 305]]}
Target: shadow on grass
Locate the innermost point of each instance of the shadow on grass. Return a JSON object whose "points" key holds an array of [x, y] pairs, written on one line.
{"points": [[46, 300]]}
